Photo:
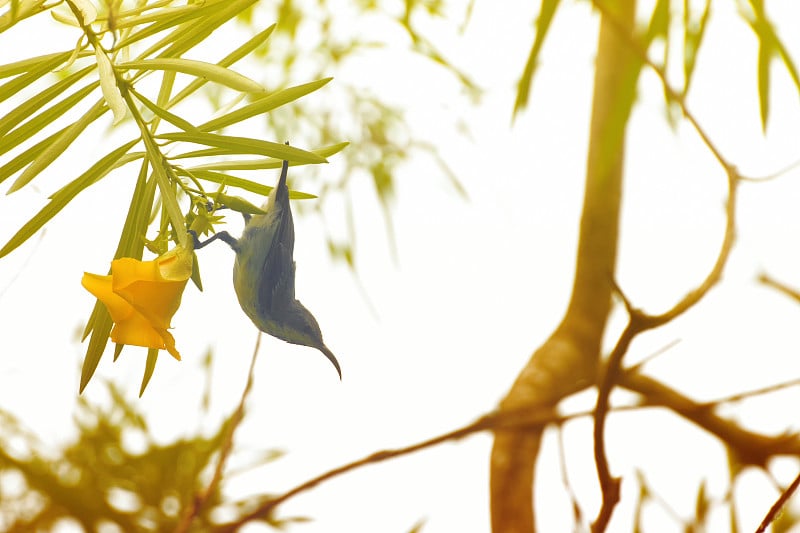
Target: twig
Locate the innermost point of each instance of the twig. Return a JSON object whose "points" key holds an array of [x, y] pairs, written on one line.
{"points": [[778, 505], [640, 322], [517, 419], [200, 500], [780, 287]]}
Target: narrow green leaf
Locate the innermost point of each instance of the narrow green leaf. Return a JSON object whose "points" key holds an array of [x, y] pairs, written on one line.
{"points": [[259, 164], [165, 19], [30, 106], [39, 68], [192, 35], [60, 143], [247, 145], [131, 241], [765, 55], [252, 186], [164, 91], [227, 61], [546, 13], [198, 282], [769, 45], [160, 112], [149, 367], [134, 17], [693, 34], [264, 105], [199, 69], [16, 164], [64, 195], [130, 244], [167, 189], [47, 116], [26, 65], [659, 22], [101, 328]]}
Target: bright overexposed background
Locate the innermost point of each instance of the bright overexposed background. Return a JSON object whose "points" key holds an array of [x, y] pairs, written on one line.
{"points": [[477, 286]]}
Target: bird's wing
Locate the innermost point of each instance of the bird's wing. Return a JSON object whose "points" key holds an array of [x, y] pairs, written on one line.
{"points": [[277, 288]]}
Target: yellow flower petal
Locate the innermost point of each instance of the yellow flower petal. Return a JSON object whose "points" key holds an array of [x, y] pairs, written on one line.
{"points": [[142, 297]]}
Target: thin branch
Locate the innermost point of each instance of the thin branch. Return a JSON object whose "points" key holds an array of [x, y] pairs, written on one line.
{"points": [[780, 287], [755, 392], [639, 321], [778, 505], [199, 501], [510, 420]]}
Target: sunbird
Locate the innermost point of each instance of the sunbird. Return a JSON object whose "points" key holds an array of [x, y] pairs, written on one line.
{"points": [[263, 273]]}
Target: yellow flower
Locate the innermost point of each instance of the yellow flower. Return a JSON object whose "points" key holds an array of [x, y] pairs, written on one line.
{"points": [[142, 297]]}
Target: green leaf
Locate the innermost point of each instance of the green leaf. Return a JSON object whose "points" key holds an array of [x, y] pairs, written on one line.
{"points": [[247, 145], [252, 186], [10, 168], [59, 144], [167, 189], [264, 105], [47, 116], [150, 365], [33, 63], [236, 203], [769, 45], [64, 195], [101, 325], [164, 19], [692, 40], [253, 164], [131, 240], [167, 83], [765, 55], [546, 13], [160, 112], [199, 69], [659, 23], [39, 67], [30, 106], [256, 41], [188, 36]]}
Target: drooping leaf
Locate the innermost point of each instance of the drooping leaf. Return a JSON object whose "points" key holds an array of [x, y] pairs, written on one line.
{"points": [[765, 55], [693, 33], [546, 12], [101, 329], [108, 85], [149, 367]]}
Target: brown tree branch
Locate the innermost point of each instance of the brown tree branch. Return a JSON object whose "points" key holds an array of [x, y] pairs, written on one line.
{"points": [[199, 501], [520, 419], [776, 508], [567, 361]]}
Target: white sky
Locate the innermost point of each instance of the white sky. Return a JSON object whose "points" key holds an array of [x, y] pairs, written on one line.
{"points": [[478, 286]]}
